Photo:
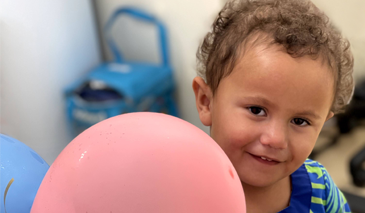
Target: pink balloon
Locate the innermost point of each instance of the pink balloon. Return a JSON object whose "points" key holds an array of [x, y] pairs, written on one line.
{"points": [[141, 162]]}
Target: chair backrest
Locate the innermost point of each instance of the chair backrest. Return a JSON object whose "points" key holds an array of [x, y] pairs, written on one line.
{"points": [[143, 16]]}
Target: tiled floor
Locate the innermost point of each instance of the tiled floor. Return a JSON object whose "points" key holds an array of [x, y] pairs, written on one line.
{"points": [[336, 158]]}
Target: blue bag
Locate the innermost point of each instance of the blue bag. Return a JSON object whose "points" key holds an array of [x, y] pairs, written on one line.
{"points": [[122, 86]]}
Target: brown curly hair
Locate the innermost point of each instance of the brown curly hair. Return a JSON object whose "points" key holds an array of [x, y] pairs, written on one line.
{"points": [[298, 25]]}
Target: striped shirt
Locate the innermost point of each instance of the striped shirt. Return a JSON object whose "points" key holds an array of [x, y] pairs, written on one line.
{"points": [[314, 191]]}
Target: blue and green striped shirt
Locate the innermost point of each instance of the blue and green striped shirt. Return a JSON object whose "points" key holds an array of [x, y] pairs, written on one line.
{"points": [[314, 191]]}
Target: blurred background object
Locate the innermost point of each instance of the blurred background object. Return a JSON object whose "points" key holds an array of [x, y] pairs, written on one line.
{"points": [[187, 22], [124, 85]]}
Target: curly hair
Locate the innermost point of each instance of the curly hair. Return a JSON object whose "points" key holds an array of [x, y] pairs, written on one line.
{"points": [[298, 25]]}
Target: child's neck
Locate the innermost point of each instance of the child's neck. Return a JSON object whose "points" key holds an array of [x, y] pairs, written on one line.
{"points": [[269, 199]]}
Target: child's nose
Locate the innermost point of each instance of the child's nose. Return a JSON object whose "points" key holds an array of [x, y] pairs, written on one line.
{"points": [[274, 135]]}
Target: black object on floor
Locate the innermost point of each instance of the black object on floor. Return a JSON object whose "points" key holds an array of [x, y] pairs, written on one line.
{"points": [[357, 169], [356, 203]]}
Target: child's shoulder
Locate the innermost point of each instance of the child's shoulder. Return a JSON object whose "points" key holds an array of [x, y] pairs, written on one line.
{"points": [[325, 193], [316, 171]]}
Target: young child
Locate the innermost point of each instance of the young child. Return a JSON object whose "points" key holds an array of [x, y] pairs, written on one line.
{"points": [[271, 73]]}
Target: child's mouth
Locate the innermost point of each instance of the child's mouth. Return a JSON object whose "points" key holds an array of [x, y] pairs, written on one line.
{"points": [[265, 160]]}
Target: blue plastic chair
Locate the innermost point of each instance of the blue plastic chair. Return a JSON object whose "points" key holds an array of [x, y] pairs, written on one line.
{"points": [[129, 86]]}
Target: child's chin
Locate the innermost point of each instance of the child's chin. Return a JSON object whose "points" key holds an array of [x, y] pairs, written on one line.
{"points": [[260, 182]]}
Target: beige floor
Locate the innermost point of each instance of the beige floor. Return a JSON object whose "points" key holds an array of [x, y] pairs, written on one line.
{"points": [[336, 159]]}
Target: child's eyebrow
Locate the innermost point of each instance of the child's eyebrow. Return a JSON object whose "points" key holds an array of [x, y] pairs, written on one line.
{"points": [[261, 100], [309, 114]]}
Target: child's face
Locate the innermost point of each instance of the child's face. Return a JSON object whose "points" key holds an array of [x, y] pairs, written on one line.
{"points": [[272, 106]]}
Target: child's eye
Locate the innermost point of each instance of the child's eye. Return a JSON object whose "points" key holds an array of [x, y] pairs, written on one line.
{"points": [[257, 111], [300, 122]]}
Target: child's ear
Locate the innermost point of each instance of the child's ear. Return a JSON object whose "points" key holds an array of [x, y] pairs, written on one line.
{"points": [[203, 100]]}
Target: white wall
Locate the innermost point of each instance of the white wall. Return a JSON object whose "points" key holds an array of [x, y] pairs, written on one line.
{"points": [[44, 46], [187, 21]]}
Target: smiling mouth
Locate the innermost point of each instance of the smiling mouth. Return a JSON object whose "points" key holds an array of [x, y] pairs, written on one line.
{"points": [[265, 159]]}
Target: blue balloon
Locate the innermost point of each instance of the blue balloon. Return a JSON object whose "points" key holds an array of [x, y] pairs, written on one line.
{"points": [[22, 171]]}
